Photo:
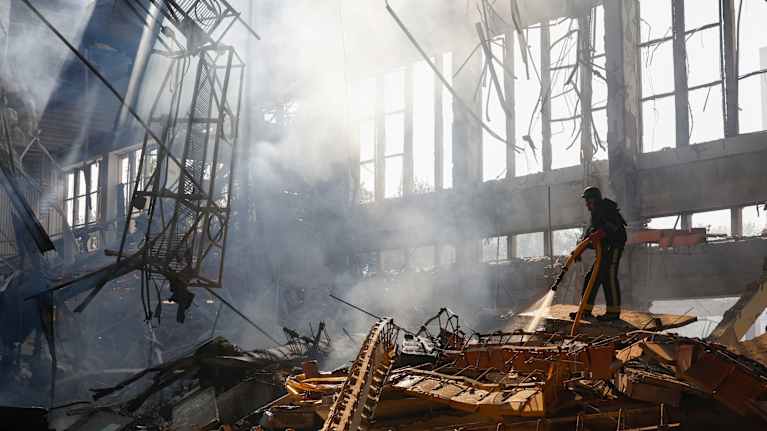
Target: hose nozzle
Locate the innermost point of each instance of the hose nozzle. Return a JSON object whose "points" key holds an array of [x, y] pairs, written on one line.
{"points": [[559, 279]]}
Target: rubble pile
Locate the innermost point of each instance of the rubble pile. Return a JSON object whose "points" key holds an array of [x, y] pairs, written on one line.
{"points": [[638, 379], [216, 383], [441, 378]]}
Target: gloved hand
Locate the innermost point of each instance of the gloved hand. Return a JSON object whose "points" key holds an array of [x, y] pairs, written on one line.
{"points": [[597, 235]]}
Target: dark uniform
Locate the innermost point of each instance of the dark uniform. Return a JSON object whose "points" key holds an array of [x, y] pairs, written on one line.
{"points": [[606, 216]]}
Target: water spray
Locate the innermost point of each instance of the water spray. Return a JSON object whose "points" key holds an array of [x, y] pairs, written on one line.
{"points": [[542, 305]]}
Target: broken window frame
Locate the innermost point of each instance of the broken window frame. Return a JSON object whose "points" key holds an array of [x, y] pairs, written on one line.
{"points": [[72, 198], [443, 135], [405, 156], [759, 71], [128, 184], [585, 129], [652, 99], [520, 244], [495, 249], [357, 126], [729, 75], [491, 106]]}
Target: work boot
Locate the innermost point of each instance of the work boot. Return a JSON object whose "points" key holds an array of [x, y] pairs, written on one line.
{"points": [[609, 317], [585, 315]]}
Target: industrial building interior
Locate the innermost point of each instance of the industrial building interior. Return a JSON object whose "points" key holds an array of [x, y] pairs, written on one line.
{"points": [[383, 215]]}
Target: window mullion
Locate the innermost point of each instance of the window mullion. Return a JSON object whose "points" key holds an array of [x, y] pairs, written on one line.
{"points": [[439, 139], [380, 138], [408, 163]]}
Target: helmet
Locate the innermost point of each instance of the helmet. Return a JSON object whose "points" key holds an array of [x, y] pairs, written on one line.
{"points": [[592, 192]]}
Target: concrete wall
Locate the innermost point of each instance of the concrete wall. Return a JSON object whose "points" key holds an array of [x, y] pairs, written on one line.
{"points": [[721, 269], [708, 270], [719, 174]]}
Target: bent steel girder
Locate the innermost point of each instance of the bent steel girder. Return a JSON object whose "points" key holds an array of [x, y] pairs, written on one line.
{"points": [[355, 404]]}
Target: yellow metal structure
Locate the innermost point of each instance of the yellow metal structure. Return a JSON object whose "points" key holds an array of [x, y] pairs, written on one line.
{"points": [[589, 286], [515, 397], [355, 403], [572, 258]]}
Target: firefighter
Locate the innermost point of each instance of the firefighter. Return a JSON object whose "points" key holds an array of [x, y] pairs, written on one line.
{"points": [[609, 228]]}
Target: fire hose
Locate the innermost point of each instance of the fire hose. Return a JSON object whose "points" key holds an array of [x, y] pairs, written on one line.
{"points": [[572, 258]]}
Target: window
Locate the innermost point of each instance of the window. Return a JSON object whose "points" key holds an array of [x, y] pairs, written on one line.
{"points": [[447, 124], [81, 195], [657, 69], [422, 258], [363, 97], [527, 110], [128, 165], [494, 115], [529, 244], [404, 118], [598, 85], [698, 61], [367, 263], [573, 65], [394, 133], [755, 220], [495, 249], [564, 240], [423, 128], [701, 23], [564, 100], [715, 222], [393, 260], [669, 222], [447, 254], [752, 65], [577, 82]]}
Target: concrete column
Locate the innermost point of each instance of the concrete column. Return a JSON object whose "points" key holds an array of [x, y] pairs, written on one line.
{"points": [[467, 134], [681, 99], [546, 99], [584, 55], [511, 246], [623, 104], [508, 89], [728, 33], [686, 221], [107, 194], [467, 144], [736, 221]]}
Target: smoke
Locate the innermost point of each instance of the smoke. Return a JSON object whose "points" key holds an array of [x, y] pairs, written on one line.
{"points": [[290, 242], [35, 57], [295, 206]]}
